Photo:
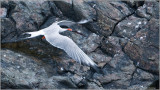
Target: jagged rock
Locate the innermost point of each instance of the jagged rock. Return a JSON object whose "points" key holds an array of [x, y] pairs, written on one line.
{"points": [[142, 76], [19, 71], [7, 30], [47, 67], [129, 27], [111, 45], [96, 11], [56, 11], [143, 47], [29, 15], [3, 12], [100, 58], [134, 4], [26, 16], [94, 86], [148, 10]]}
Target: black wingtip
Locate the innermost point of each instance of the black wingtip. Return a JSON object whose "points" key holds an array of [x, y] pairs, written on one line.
{"points": [[97, 69]]}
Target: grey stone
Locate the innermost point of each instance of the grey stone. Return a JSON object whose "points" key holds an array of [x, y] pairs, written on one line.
{"points": [[3, 12]]}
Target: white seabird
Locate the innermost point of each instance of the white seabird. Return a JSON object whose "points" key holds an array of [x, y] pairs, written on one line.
{"points": [[53, 36]]}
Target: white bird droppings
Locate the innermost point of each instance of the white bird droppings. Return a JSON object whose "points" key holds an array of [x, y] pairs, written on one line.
{"points": [[141, 38], [124, 30], [94, 5], [61, 68], [136, 26], [139, 22], [4, 55], [141, 86], [129, 23], [18, 66]]}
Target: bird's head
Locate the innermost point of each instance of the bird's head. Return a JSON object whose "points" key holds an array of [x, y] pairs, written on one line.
{"points": [[65, 25], [64, 28]]}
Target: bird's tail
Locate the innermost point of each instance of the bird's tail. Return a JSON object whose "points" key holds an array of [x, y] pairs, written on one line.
{"points": [[33, 34], [97, 69]]}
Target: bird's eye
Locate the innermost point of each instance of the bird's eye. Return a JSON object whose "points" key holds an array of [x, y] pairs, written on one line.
{"points": [[63, 26]]}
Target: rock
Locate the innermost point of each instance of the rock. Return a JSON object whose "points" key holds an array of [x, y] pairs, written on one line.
{"points": [[142, 44], [148, 10], [142, 76], [94, 86], [117, 72], [106, 24], [3, 12], [95, 11], [135, 4], [100, 58], [128, 60], [74, 9], [30, 15], [141, 11], [19, 71], [129, 26], [26, 16], [108, 78], [56, 11], [7, 30], [111, 45]]}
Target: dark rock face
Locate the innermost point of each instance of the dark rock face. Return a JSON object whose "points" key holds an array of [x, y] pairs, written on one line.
{"points": [[8, 30], [129, 27], [121, 37], [3, 12], [143, 47], [97, 12], [22, 72]]}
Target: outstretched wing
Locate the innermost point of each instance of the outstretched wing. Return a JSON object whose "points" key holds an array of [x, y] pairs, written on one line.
{"points": [[65, 23], [67, 44]]}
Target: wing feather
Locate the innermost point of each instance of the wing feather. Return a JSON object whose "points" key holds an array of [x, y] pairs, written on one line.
{"points": [[67, 44]]}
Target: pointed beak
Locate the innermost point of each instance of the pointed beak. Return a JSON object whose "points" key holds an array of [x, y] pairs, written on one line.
{"points": [[69, 29]]}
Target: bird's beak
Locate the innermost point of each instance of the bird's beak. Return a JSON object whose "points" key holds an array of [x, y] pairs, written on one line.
{"points": [[69, 29]]}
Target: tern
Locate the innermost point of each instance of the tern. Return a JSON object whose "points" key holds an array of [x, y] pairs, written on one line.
{"points": [[53, 36]]}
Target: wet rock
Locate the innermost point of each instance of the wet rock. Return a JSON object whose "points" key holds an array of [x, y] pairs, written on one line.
{"points": [[129, 26], [3, 12], [142, 44]]}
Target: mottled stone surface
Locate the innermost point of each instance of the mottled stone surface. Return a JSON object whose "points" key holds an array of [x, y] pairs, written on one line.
{"points": [[3, 12], [121, 37], [144, 47]]}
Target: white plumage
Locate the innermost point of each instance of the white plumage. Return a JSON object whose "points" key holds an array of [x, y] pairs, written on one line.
{"points": [[53, 36]]}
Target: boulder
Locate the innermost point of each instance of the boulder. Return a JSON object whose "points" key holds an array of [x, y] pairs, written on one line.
{"points": [[144, 47], [22, 72]]}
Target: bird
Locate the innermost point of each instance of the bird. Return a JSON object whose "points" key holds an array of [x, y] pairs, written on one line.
{"points": [[52, 34]]}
